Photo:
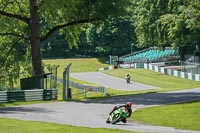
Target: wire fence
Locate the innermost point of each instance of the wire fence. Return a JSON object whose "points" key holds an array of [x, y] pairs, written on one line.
{"points": [[84, 90]]}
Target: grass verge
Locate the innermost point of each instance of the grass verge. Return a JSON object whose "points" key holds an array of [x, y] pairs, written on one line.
{"points": [[180, 116], [161, 81], [20, 126]]}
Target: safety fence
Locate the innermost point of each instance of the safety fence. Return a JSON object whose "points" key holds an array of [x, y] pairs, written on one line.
{"points": [[28, 95], [88, 89], [84, 89], [171, 72], [106, 68]]}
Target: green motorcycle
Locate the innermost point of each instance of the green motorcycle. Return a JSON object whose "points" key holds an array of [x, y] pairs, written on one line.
{"points": [[118, 115]]}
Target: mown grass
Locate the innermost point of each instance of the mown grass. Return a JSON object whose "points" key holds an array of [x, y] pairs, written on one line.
{"points": [[20, 126], [78, 65], [181, 116], [161, 81]]}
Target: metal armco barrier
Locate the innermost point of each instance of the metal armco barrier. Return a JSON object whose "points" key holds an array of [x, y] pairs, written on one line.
{"points": [[28, 95]]}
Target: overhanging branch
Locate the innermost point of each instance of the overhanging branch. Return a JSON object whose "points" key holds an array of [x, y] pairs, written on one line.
{"points": [[8, 53], [14, 34], [56, 28], [16, 16], [20, 37]]}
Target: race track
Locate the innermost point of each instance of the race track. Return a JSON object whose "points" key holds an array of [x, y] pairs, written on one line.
{"points": [[92, 113], [110, 81]]}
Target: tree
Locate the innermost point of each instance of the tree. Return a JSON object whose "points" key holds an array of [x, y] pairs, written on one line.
{"points": [[56, 46], [168, 23], [145, 15], [22, 19], [192, 20], [114, 37]]}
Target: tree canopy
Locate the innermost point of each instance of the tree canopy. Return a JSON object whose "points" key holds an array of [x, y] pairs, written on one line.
{"points": [[32, 22], [167, 23], [114, 37]]}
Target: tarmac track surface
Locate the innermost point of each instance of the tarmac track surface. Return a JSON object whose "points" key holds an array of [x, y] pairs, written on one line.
{"points": [[110, 81], [93, 113]]}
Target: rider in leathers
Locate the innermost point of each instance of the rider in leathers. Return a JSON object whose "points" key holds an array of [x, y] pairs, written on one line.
{"points": [[128, 110]]}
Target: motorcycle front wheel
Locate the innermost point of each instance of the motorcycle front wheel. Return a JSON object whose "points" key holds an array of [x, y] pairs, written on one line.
{"points": [[116, 118]]}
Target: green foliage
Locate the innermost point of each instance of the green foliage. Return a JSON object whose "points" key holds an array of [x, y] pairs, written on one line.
{"points": [[192, 15], [145, 15], [114, 37], [69, 17], [167, 23], [73, 37], [56, 46], [73, 15], [10, 62]]}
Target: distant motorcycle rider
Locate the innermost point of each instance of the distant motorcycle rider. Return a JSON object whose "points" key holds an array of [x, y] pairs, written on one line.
{"points": [[127, 108], [128, 78]]}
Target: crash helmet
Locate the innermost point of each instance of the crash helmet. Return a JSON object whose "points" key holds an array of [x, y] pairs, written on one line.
{"points": [[129, 104]]}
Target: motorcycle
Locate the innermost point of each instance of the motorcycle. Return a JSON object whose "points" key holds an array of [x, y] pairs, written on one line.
{"points": [[118, 115], [128, 80]]}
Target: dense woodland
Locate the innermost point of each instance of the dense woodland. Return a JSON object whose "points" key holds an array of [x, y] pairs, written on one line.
{"points": [[37, 29]]}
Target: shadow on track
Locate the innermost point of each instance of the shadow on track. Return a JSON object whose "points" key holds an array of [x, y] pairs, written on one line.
{"points": [[149, 99]]}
